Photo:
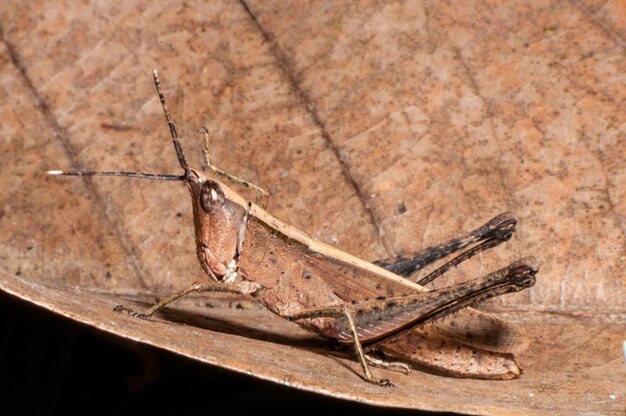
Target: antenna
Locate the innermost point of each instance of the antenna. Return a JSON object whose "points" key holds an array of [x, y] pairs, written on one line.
{"points": [[138, 175], [170, 122], [141, 175]]}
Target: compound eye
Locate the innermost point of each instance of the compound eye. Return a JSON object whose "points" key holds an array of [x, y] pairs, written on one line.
{"points": [[211, 197]]}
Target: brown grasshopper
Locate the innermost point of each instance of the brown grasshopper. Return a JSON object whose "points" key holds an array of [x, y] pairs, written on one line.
{"points": [[372, 306]]}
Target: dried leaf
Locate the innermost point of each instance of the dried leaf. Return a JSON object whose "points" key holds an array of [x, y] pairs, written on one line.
{"points": [[379, 128], [253, 341]]}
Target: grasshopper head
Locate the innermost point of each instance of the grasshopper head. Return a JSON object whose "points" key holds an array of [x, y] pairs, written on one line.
{"points": [[218, 215]]}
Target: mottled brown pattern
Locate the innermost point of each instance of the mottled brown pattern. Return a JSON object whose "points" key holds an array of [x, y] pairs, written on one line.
{"points": [[280, 265], [296, 278], [458, 360]]}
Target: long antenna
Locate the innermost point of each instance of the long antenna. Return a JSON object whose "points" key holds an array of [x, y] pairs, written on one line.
{"points": [[138, 175], [170, 122], [141, 175]]}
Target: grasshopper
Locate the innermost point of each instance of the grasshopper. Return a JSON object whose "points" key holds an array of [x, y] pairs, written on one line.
{"points": [[372, 307]]}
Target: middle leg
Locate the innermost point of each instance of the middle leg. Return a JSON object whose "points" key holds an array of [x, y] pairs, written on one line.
{"points": [[339, 312]]}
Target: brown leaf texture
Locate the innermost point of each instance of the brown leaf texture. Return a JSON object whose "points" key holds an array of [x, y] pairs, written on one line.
{"points": [[379, 128]]}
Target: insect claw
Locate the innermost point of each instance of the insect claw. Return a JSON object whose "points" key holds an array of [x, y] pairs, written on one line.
{"points": [[384, 382], [130, 312], [391, 365], [400, 367], [119, 308]]}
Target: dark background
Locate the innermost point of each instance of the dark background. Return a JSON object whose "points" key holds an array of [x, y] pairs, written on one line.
{"points": [[53, 365]]}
